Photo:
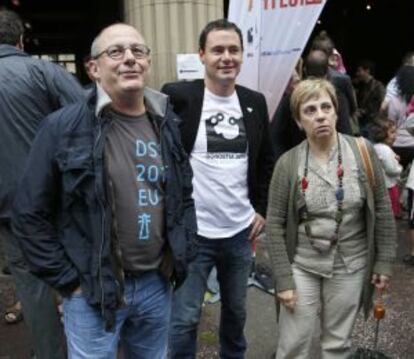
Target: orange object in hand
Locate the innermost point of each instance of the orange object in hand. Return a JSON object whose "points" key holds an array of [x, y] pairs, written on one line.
{"points": [[379, 311]]}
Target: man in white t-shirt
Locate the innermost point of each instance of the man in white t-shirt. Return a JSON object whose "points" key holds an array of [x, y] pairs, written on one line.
{"points": [[224, 130]]}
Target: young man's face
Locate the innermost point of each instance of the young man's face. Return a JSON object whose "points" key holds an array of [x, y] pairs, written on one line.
{"points": [[362, 74], [122, 75], [222, 56]]}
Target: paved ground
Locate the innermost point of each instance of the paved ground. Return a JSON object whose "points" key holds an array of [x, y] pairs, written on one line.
{"points": [[396, 331]]}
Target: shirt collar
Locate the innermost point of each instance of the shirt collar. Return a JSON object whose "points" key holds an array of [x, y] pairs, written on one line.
{"points": [[103, 100]]}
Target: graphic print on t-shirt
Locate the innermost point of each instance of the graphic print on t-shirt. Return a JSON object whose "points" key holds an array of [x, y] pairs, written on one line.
{"points": [[225, 134], [149, 172]]}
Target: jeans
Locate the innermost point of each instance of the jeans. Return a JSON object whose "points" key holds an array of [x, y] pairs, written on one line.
{"points": [[233, 258], [141, 325], [38, 302]]}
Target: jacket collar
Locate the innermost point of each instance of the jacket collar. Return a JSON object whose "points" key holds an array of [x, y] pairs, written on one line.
{"points": [[242, 94], [155, 102], [9, 50]]}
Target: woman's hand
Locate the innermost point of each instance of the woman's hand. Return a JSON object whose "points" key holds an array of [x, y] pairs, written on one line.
{"points": [[380, 281], [288, 298]]}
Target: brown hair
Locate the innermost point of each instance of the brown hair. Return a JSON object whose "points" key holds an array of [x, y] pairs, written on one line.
{"points": [[379, 129]]}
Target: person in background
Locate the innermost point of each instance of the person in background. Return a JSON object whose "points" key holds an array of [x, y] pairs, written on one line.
{"points": [[391, 91], [409, 258], [383, 132], [336, 62], [398, 110], [87, 67], [341, 80], [30, 89], [331, 236], [285, 133], [369, 93]]}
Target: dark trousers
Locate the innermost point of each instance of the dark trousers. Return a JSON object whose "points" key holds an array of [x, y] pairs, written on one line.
{"points": [[38, 302]]}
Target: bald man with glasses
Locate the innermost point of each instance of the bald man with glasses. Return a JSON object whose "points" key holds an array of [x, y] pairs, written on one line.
{"points": [[108, 193]]}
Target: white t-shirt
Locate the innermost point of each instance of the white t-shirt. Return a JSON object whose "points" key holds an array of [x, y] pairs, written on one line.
{"points": [[390, 165], [220, 163]]}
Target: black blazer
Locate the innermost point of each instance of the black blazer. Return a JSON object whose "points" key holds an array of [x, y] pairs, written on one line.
{"points": [[187, 101]]}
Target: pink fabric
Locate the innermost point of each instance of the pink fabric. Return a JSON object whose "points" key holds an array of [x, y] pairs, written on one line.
{"points": [[340, 67], [394, 193], [410, 107]]}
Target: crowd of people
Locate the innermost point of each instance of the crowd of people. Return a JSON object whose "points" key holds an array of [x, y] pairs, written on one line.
{"points": [[116, 201]]}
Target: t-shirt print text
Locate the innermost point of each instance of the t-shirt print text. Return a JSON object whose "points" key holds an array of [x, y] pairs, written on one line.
{"points": [[151, 174]]}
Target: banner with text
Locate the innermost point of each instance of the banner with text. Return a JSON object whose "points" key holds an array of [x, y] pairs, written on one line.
{"points": [[275, 33]]}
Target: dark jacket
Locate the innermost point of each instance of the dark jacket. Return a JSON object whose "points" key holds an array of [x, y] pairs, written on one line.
{"points": [[30, 89], [187, 100], [369, 96], [62, 213], [343, 85]]}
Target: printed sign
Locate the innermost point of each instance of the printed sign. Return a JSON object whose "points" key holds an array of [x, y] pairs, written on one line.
{"points": [[189, 67], [275, 33]]}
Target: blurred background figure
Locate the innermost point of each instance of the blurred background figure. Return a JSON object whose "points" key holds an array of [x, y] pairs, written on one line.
{"points": [[369, 93], [336, 62], [285, 132], [383, 132], [392, 89], [87, 67], [397, 112], [337, 75]]}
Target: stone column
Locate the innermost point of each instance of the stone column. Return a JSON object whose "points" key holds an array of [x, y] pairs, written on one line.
{"points": [[170, 27]]}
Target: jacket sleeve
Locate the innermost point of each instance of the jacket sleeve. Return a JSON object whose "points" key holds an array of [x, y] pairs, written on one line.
{"points": [[62, 87], [279, 128], [350, 95], [385, 230], [276, 225], [266, 162], [34, 213], [344, 119], [377, 95]]}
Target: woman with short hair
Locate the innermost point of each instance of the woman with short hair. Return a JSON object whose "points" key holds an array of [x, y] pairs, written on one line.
{"points": [[331, 233]]}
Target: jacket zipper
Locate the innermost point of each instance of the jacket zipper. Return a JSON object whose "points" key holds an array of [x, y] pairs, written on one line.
{"points": [[103, 222]]}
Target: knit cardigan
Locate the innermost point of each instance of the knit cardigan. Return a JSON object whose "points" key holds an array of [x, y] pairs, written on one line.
{"points": [[282, 221]]}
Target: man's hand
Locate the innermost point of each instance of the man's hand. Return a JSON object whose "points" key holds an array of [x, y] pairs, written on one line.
{"points": [[380, 281], [257, 226], [288, 298]]}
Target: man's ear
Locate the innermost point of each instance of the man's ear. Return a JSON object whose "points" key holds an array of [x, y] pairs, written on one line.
{"points": [[201, 55], [94, 69], [299, 124]]}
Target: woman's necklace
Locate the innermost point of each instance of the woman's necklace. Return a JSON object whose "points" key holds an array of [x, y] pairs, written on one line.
{"points": [[339, 194]]}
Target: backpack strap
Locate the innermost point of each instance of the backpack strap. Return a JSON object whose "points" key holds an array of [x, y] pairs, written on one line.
{"points": [[366, 160]]}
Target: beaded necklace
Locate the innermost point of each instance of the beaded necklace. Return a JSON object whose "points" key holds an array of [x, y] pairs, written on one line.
{"points": [[339, 195]]}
